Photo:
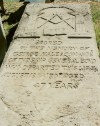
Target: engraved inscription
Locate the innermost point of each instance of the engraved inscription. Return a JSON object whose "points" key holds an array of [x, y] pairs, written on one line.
{"points": [[50, 73], [64, 66]]}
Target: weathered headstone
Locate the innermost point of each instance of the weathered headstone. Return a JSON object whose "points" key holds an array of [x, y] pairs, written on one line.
{"points": [[2, 42], [50, 73]]}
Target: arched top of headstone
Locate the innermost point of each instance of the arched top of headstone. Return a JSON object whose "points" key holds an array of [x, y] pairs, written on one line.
{"points": [[51, 20]]}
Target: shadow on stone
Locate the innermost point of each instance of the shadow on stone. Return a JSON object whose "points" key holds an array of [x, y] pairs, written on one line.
{"points": [[9, 37], [49, 1], [14, 18]]}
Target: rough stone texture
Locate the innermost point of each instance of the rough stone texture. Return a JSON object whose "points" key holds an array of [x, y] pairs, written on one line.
{"points": [[74, 19], [50, 75], [2, 42]]}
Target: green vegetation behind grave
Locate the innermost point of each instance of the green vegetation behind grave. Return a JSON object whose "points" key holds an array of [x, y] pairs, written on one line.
{"points": [[12, 7], [95, 8]]}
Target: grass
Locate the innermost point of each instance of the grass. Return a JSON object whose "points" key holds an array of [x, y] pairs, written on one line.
{"points": [[95, 8], [14, 11], [13, 7]]}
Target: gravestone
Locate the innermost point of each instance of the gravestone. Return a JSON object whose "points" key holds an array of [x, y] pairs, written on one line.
{"points": [[2, 42], [50, 75]]}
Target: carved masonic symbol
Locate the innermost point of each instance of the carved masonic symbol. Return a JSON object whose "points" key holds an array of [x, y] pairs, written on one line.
{"points": [[58, 21]]}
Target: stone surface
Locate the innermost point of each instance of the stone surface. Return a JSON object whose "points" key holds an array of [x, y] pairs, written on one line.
{"points": [[50, 75], [52, 21], [2, 42]]}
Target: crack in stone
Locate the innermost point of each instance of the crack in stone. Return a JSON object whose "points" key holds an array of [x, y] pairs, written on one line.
{"points": [[7, 105]]}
